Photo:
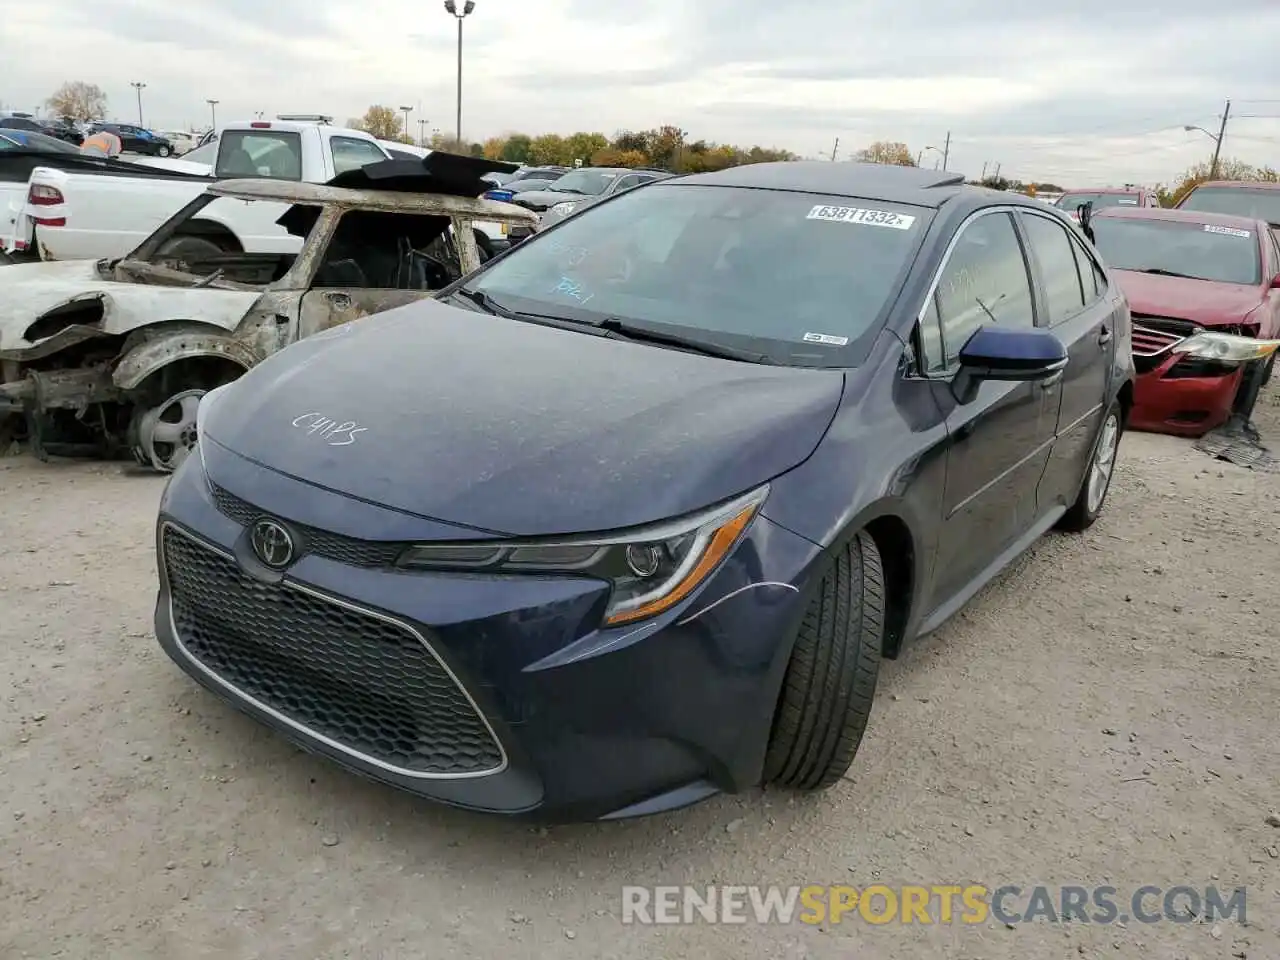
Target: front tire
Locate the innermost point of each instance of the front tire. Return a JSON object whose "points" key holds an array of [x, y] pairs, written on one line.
{"points": [[163, 152], [1097, 479], [831, 677]]}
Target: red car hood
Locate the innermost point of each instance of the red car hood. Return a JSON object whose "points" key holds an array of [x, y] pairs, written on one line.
{"points": [[1204, 302]]}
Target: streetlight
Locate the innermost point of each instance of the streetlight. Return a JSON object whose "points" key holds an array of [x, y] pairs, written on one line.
{"points": [[213, 114], [920, 155], [1217, 140], [406, 121], [451, 7], [138, 86], [422, 131]]}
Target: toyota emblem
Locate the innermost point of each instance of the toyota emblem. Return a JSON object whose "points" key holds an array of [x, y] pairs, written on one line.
{"points": [[272, 543]]}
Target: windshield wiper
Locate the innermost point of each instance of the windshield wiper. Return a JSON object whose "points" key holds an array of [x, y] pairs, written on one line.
{"points": [[629, 331], [485, 303], [1162, 272]]}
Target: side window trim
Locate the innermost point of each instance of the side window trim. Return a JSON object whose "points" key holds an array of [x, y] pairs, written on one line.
{"points": [[1039, 280], [948, 370]]}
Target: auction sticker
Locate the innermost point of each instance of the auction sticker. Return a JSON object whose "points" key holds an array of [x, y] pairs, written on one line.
{"points": [[828, 339], [1226, 231], [863, 215]]}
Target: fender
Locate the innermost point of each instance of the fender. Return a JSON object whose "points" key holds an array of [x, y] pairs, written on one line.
{"points": [[149, 356]]}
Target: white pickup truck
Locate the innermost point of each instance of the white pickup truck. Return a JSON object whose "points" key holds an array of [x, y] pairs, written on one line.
{"points": [[72, 215], [89, 216]]}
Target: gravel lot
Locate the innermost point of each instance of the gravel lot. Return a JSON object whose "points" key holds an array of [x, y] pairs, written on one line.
{"points": [[1107, 713]]}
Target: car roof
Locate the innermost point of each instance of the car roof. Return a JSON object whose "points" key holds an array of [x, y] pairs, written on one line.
{"points": [[1240, 184], [913, 185], [1179, 216], [394, 201]]}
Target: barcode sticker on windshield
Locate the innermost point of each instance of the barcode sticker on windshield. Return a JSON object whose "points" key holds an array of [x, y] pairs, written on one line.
{"points": [[871, 218], [1226, 231], [828, 339]]}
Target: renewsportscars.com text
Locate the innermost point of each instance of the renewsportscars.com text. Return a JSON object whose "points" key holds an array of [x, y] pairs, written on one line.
{"points": [[929, 904]]}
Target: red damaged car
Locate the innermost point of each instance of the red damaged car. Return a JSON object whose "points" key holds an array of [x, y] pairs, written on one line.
{"points": [[1204, 293]]}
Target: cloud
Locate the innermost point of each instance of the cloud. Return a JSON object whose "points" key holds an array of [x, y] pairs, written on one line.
{"points": [[1091, 92]]}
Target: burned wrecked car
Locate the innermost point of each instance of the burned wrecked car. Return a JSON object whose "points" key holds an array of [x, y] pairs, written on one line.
{"points": [[111, 357]]}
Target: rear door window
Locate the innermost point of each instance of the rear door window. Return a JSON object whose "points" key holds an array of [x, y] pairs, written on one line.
{"points": [[273, 154], [351, 153]]}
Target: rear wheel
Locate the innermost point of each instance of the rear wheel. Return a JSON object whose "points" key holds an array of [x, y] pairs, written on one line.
{"points": [[1097, 479], [831, 678]]}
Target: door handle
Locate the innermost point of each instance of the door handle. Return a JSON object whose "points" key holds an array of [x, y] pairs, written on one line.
{"points": [[1104, 335]]}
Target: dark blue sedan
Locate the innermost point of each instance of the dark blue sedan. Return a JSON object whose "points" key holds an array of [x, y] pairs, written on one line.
{"points": [[631, 515]]}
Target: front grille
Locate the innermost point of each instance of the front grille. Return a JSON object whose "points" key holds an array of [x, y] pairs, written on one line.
{"points": [[332, 546], [1150, 341], [363, 683]]}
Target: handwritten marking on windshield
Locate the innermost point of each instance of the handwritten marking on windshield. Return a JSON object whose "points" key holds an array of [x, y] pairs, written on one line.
{"points": [[573, 289], [332, 432]]}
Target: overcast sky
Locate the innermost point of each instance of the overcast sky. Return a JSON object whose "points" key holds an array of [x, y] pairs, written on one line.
{"points": [[1086, 92]]}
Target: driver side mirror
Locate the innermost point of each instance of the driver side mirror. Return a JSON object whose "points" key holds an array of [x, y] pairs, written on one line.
{"points": [[1275, 282], [1009, 355]]}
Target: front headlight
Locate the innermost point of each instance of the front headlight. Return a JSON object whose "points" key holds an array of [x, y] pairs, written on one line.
{"points": [[1225, 347], [651, 569], [563, 208]]}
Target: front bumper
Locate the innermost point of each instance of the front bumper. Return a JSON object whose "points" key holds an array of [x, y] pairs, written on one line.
{"points": [[584, 723], [1189, 406]]}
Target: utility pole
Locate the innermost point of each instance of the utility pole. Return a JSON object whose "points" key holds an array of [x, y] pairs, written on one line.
{"points": [[997, 171], [138, 86], [213, 114], [1217, 145], [835, 149], [422, 136], [406, 119], [946, 150], [919, 157], [984, 170]]}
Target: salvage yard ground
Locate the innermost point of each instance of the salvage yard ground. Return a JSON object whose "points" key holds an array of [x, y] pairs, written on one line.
{"points": [[1106, 713]]}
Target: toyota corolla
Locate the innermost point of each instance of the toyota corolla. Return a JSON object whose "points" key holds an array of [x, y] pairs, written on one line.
{"points": [[631, 515]]}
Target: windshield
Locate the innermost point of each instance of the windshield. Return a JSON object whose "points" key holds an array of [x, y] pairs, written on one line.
{"points": [[1070, 201], [801, 278], [589, 182], [1238, 201], [1202, 251]]}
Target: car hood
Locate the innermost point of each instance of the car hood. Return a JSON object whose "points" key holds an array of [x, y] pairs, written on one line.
{"points": [[32, 290], [1200, 301], [519, 429], [546, 198]]}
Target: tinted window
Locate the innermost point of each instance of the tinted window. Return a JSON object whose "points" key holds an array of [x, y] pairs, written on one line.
{"points": [[26, 140], [627, 182], [1255, 204], [276, 154], [351, 153], [19, 123], [795, 276], [1051, 247], [985, 281], [1204, 252], [591, 183]]}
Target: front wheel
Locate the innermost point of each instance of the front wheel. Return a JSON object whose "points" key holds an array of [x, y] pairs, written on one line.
{"points": [[163, 152], [1097, 479], [831, 677]]}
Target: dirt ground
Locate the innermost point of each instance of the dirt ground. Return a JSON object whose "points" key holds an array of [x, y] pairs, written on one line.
{"points": [[1106, 713]]}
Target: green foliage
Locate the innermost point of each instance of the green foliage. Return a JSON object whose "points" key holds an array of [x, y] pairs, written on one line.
{"points": [[381, 122], [665, 147], [887, 151]]}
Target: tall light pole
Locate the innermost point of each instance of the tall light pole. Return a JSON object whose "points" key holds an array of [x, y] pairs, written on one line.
{"points": [[138, 86], [213, 114], [452, 8], [406, 121], [422, 131], [1217, 141]]}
